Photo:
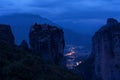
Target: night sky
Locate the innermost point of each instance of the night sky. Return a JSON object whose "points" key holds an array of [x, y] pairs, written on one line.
{"points": [[84, 16]]}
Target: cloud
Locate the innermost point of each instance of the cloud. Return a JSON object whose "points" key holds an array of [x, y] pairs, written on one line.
{"points": [[67, 13], [77, 4], [61, 6], [5, 3], [72, 10]]}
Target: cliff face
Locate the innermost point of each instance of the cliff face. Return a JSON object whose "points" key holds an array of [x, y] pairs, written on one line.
{"points": [[6, 34], [18, 63], [48, 42], [106, 48]]}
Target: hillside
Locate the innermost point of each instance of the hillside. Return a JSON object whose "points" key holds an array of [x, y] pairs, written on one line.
{"points": [[16, 64]]}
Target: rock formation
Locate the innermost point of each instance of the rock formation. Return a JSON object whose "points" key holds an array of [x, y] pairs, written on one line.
{"points": [[106, 48], [17, 63], [23, 45], [6, 34], [47, 41]]}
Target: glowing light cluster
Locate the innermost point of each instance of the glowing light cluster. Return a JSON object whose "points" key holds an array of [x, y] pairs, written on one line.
{"points": [[72, 57], [70, 53], [71, 65], [78, 63]]}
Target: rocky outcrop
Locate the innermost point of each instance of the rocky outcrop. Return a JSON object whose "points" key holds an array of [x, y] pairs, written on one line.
{"points": [[48, 42], [24, 45], [6, 34], [106, 48], [17, 64]]}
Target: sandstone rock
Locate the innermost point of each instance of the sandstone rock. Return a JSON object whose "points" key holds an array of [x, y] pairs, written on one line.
{"points": [[6, 34], [106, 48], [48, 42], [112, 22]]}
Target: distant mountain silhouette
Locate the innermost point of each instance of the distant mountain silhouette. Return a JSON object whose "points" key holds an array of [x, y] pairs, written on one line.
{"points": [[21, 24], [75, 38]]}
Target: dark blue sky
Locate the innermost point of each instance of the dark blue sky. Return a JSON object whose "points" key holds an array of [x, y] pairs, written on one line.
{"points": [[79, 15]]}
